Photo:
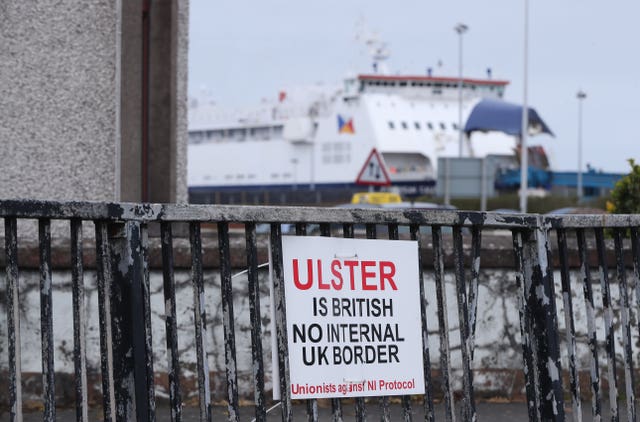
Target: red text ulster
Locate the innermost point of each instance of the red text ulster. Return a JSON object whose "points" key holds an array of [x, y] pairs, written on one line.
{"points": [[344, 274]]}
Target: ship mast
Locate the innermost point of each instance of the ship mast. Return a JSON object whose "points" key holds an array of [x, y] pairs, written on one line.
{"points": [[377, 49]]}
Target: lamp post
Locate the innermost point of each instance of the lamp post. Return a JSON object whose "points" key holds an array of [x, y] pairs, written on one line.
{"points": [[524, 152], [581, 95], [460, 29]]}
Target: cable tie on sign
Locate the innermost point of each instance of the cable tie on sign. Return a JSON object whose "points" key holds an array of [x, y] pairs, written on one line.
{"points": [[354, 255], [247, 270], [269, 410]]}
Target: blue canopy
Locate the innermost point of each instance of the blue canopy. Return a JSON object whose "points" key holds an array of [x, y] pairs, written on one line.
{"points": [[496, 115]]}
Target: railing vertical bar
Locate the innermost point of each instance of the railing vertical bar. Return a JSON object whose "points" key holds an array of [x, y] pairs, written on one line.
{"points": [[468, 406], [325, 229], [383, 401], [150, 397], [312, 404], [256, 322], [46, 320], [626, 326], [360, 405], [565, 278], [608, 325], [594, 370], [336, 404], [429, 414], [347, 230], [13, 319], [635, 252], [79, 321], [541, 303], [125, 296], [443, 324], [105, 280], [281, 322], [406, 400], [199, 314], [370, 231], [228, 323], [530, 370], [476, 245], [301, 229], [171, 323]]}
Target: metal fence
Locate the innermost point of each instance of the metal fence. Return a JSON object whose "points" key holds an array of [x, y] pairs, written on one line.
{"points": [[127, 366]]}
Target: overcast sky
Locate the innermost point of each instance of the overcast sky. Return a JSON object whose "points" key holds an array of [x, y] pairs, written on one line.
{"points": [[242, 51]]}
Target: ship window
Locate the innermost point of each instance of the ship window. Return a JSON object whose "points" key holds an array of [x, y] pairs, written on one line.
{"points": [[195, 137], [430, 125], [404, 125], [437, 91], [391, 125], [403, 84], [455, 126], [442, 126], [417, 125]]}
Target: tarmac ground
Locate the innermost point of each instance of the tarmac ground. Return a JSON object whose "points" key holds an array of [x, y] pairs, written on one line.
{"points": [[494, 412]]}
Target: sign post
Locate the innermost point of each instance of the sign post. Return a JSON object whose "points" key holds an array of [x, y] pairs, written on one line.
{"points": [[353, 317]]}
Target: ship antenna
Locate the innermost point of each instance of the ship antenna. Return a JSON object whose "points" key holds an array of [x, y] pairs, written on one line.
{"points": [[377, 49]]}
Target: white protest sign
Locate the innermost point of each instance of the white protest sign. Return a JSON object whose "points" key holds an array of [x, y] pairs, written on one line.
{"points": [[353, 317]]}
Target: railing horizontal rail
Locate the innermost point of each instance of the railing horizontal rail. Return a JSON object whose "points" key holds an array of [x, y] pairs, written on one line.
{"points": [[230, 213]]}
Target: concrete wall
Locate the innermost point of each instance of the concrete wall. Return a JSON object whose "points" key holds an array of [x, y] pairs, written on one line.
{"points": [[59, 99], [70, 100]]}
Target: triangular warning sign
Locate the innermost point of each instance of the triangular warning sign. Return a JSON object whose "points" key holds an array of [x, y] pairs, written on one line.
{"points": [[374, 171]]}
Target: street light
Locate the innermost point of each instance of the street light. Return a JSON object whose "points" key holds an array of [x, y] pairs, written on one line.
{"points": [[581, 95], [524, 152], [460, 29]]}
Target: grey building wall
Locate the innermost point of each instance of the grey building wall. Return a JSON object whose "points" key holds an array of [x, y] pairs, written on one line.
{"points": [[59, 99], [70, 101]]}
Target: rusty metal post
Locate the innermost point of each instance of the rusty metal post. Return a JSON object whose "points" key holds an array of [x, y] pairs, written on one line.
{"points": [[540, 304], [13, 319], [133, 363], [46, 321]]}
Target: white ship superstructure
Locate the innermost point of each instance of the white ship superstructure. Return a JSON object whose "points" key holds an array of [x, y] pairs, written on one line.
{"points": [[319, 138]]}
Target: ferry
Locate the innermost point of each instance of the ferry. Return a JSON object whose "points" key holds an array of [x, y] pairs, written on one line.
{"points": [[310, 144]]}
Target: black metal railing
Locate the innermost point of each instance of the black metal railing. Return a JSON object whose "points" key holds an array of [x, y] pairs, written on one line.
{"points": [[451, 239]]}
